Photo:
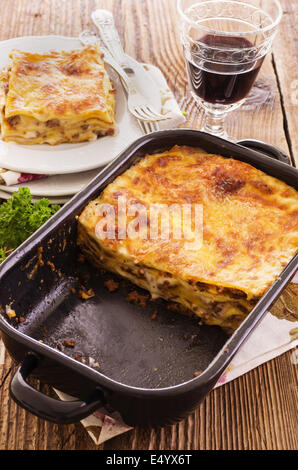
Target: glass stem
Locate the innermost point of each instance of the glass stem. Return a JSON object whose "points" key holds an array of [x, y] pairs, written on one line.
{"points": [[214, 123]]}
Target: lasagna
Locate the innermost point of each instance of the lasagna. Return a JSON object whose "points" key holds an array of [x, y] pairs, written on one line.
{"points": [[56, 97], [249, 232]]}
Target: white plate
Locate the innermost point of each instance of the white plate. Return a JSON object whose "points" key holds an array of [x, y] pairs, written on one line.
{"points": [[66, 158], [53, 186], [52, 200]]}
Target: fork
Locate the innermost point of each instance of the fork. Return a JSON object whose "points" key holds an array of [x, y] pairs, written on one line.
{"points": [[140, 109], [148, 126], [89, 38], [139, 101]]}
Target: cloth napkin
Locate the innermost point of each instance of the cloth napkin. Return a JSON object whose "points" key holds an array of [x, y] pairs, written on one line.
{"points": [[169, 108], [10, 178]]}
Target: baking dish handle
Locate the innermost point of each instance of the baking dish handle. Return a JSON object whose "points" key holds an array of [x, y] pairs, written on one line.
{"points": [[267, 149], [60, 412]]}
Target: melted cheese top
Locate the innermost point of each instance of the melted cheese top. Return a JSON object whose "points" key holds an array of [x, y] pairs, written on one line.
{"points": [[250, 219], [59, 85]]}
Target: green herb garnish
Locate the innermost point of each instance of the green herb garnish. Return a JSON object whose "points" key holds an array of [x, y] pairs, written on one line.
{"points": [[19, 218]]}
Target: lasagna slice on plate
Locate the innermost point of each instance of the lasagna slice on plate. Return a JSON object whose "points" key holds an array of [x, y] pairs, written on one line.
{"points": [[56, 97]]}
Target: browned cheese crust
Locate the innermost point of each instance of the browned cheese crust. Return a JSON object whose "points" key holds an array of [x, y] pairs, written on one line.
{"points": [[250, 232]]}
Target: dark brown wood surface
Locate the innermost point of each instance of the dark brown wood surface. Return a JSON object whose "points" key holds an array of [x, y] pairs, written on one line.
{"points": [[259, 409]]}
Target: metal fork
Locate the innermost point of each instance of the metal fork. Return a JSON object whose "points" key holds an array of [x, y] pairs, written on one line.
{"points": [[148, 126], [89, 38], [143, 94], [140, 109]]}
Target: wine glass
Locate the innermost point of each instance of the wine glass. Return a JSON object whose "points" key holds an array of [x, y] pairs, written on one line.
{"points": [[225, 43]]}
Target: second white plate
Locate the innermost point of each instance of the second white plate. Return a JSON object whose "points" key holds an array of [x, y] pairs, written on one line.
{"points": [[66, 158], [53, 186], [52, 200]]}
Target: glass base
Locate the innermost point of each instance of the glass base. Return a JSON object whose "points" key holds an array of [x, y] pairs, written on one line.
{"points": [[215, 125], [215, 115]]}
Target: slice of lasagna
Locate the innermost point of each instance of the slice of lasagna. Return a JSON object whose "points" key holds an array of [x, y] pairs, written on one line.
{"points": [[56, 97], [249, 228]]}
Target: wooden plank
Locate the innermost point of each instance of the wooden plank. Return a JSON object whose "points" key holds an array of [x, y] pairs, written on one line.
{"points": [[285, 60], [257, 410]]}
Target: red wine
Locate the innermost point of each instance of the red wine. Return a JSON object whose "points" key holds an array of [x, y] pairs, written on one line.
{"points": [[225, 82]]}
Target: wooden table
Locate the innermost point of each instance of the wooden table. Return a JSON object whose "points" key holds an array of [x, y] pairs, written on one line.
{"points": [[259, 409]]}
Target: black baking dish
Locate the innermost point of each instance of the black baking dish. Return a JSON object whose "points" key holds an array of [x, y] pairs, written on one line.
{"points": [[142, 369]]}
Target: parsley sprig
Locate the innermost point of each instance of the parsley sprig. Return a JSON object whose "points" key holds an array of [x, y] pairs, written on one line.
{"points": [[19, 218]]}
